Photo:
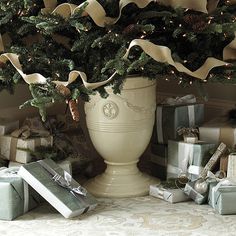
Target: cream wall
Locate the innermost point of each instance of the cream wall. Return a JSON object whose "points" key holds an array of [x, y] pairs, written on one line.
{"points": [[9, 104]]}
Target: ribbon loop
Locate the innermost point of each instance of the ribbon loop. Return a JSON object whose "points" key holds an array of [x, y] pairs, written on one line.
{"points": [[65, 182]]}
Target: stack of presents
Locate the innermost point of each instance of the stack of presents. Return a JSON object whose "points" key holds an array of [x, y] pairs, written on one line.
{"points": [[194, 160], [25, 183]]}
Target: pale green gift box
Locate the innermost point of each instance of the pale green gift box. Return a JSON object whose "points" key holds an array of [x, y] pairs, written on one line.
{"points": [[16, 196], [187, 158], [58, 188], [222, 197]]}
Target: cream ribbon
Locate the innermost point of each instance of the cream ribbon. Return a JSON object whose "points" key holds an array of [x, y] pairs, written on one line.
{"points": [[163, 54], [98, 14], [35, 78], [158, 53]]}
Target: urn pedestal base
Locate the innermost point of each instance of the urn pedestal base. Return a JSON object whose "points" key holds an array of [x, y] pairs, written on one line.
{"points": [[123, 180]]}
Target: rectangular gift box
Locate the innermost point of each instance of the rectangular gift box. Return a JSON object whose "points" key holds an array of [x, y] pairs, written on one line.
{"points": [[171, 117], [57, 187], [158, 160], [16, 196], [218, 130], [65, 165], [231, 167], [168, 194], [222, 197], [10, 147], [193, 194], [187, 158], [7, 126]]}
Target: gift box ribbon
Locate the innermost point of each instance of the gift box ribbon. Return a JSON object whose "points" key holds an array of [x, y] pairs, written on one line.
{"points": [[65, 181], [25, 132], [188, 99], [11, 173], [185, 162], [162, 194]]}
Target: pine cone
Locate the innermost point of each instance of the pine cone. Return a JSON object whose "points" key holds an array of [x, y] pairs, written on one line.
{"points": [[196, 22], [129, 29], [63, 90], [2, 65], [74, 110], [199, 26]]}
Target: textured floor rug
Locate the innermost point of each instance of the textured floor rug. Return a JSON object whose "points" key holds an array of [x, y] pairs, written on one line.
{"points": [[125, 217]]}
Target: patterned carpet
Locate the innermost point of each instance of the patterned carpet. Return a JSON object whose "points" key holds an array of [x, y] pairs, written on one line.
{"points": [[146, 216]]}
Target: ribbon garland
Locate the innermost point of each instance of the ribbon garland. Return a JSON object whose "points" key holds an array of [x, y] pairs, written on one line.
{"points": [[158, 53]]}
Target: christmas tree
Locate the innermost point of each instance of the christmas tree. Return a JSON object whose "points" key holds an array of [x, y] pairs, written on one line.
{"points": [[54, 44]]}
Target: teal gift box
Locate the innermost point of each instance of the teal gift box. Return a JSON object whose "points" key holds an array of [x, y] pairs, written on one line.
{"points": [[158, 160], [16, 196], [187, 158], [171, 117], [58, 187], [222, 196]]}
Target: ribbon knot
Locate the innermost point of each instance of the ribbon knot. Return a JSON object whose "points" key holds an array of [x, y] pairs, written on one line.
{"points": [[65, 182], [187, 99]]}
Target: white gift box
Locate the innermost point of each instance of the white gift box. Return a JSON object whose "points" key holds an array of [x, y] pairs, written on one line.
{"points": [[9, 147], [168, 194]]}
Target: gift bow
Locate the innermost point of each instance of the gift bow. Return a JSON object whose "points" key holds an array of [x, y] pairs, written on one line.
{"points": [[187, 99], [66, 181], [26, 132]]}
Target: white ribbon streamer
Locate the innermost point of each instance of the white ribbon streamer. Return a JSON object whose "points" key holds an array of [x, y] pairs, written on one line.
{"points": [[163, 54], [29, 79]]}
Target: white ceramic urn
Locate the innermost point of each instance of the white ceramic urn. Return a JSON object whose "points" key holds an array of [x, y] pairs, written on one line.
{"points": [[120, 128]]}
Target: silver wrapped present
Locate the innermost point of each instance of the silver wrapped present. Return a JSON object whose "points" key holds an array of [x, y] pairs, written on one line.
{"points": [[168, 194], [187, 158]]}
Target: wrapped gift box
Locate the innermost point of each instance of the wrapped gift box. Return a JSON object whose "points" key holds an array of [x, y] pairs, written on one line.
{"points": [[57, 187], [231, 167], [168, 194], [170, 117], [10, 147], [187, 158], [16, 196], [193, 194], [7, 126], [158, 160], [65, 165], [218, 130], [222, 197]]}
